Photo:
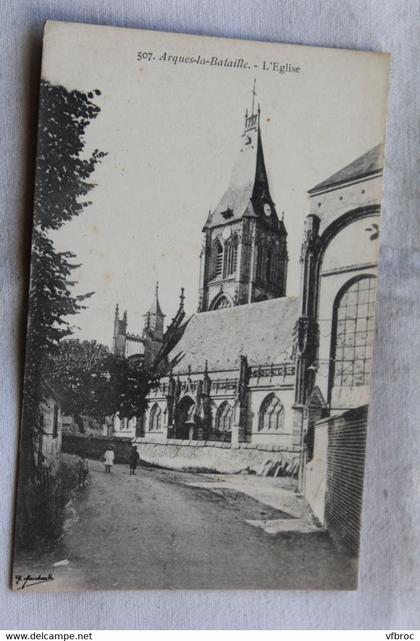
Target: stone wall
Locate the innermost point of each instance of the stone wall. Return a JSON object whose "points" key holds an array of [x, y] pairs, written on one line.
{"points": [[331, 204], [316, 471], [95, 446], [185, 455], [334, 477], [346, 463], [215, 457], [49, 443]]}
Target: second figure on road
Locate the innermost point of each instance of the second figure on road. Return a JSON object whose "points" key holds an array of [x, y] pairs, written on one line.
{"points": [[134, 460]]}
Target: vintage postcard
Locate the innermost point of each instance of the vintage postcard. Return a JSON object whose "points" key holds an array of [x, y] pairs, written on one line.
{"points": [[201, 313]]}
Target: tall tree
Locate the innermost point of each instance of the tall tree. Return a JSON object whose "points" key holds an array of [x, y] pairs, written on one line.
{"points": [[63, 170]]}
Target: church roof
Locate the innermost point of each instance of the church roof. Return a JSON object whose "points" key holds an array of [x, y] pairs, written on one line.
{"points": [[369, 164], [248, 183], [263, 332], [238, 194]]}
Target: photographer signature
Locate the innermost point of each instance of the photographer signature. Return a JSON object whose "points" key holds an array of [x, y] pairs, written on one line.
{"points": [[28, 581]]}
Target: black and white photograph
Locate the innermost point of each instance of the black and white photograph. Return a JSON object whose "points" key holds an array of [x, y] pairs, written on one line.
{"points": [[201, 318]]}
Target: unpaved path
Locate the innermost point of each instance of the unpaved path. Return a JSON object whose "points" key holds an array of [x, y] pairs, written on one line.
{"points": [[156, 531]]}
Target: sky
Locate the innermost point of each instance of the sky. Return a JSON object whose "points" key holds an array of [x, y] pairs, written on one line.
{"points": [[172, 132]]}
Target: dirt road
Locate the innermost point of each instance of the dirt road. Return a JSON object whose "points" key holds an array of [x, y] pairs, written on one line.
{"points": [[155, 531]]}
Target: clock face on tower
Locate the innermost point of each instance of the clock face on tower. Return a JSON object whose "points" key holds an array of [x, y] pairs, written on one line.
{"points": [[267, 209]]}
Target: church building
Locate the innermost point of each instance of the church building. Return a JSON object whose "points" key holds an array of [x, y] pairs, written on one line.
{"points": [[254, 368], [244, 252], [149, 344]]}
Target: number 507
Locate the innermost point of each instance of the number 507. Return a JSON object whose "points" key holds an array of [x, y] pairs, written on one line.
{"points": [[144, 55]]}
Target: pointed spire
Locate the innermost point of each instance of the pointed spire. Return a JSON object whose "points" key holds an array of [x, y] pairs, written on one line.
{"points": [[155, 309], [249, 180], [181, 298], [117, 313]]}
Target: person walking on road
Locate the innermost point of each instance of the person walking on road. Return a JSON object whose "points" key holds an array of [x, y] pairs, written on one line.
{"points": [[109, 459], [134, 460], [83, 470]]}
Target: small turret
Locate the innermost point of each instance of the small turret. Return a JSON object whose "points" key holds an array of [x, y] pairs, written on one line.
{"points": [[120, 333], [154, 318]]}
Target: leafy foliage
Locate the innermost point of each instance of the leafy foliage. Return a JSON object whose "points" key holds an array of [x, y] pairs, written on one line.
{"points": [[62, 184], [62, 171], [81, 371], [137, 381], [96, 383], [91, 380]]}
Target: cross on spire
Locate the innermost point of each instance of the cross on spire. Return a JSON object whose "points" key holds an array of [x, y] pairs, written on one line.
{"points": [[254, 93]]}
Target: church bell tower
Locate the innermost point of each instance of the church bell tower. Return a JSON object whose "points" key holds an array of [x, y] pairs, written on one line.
{"points": [[244, 251]]}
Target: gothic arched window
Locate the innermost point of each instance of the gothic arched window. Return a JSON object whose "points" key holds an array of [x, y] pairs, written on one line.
{"points": [[224, 417], [221, 303], [155, 418], [231, 256], [271, 414], [353, 333], [217, 259]]}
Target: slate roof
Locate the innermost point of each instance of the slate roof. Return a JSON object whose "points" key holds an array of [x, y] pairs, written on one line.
{"points": [[248, 181], [260, 331], [238, 194], [367, 165]]}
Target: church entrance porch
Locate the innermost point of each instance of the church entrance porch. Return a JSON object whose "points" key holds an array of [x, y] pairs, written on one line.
{"points": [[189, 424], [185, 420]]}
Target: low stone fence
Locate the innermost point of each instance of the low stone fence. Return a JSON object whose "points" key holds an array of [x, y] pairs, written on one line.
{"points": [[200, 456], [95, 446], [219, 457]]}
